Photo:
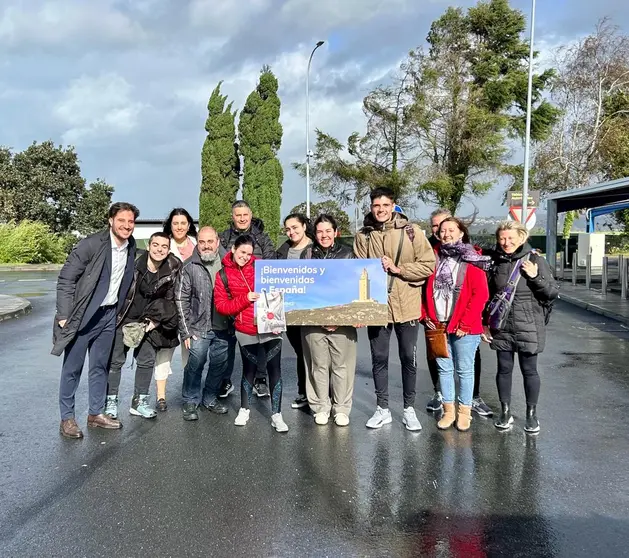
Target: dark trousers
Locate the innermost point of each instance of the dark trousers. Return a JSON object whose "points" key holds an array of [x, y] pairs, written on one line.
{"points": [[231, 358], [434, 374], [213, 346], [268, 355], [95, 338], [144, 355], [379, 338], [293, 334], [528, 366]]}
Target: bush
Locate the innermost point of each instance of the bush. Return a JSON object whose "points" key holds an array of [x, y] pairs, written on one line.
{"points": [[31, 242]]}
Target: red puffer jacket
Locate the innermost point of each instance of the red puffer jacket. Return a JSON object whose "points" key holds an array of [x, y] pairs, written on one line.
{"points": [[467, 315], [241, 283]]}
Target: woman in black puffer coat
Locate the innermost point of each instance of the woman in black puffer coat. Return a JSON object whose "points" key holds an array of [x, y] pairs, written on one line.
{"points": [[523, 327]]}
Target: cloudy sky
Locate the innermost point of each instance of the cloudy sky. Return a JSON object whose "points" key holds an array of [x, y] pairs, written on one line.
{"points": [[127, 81]]}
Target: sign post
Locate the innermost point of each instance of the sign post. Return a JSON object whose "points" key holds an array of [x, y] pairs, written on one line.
{"points": [[515, 203]]}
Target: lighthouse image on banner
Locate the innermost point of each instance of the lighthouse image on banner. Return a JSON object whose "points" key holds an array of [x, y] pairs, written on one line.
{"points": [[328, 292]]}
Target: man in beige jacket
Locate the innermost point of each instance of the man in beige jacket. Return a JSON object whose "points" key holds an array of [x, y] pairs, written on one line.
{"points": [[409, 260]]}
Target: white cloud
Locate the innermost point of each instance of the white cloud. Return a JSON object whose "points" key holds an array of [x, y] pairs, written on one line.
{"points": [[224, 17], [100, 106], [58, 23]]}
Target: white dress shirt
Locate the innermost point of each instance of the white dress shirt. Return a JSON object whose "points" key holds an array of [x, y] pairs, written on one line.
{"points": [[118, 264]]}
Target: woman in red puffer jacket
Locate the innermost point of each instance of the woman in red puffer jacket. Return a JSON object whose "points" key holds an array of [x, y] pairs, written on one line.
{"points": [[237, 299]]}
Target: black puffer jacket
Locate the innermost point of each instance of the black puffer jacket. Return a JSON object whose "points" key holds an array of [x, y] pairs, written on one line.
{"points": [[338, 251], [263, 247], [160, 305], [525, 329]]}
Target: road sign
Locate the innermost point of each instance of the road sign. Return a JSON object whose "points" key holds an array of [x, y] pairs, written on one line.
{"points": [[515, 214], [514, 199]]}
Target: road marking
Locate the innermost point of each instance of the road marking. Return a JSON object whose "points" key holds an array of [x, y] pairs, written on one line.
{"points": [[30, 280]]}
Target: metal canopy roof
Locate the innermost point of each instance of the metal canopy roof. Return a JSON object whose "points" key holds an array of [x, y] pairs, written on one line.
{"points": [[591, 196]]}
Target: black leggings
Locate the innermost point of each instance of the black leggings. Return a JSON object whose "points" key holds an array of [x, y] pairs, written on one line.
{"points": [[293, 334], [434, 374], [271, 354], [528, 366]]}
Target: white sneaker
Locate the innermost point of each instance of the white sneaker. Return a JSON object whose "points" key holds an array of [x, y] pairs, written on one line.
{"points": [[278, 423], [341, 419], [380, 418], [410, 420], [242, 418], [321, 418]]}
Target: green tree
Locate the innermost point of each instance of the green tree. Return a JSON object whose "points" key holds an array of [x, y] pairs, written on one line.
{"points": [[378, 158], [91, 214], [441, 129], [220, 164], [42, 183], [469, 89], [260, 136], [329, 207]]}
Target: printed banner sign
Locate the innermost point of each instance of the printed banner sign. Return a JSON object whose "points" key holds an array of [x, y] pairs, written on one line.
{"points": [[327, 292]]}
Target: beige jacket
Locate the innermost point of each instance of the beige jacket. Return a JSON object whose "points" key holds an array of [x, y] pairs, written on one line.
{"points": [[417, 261]]}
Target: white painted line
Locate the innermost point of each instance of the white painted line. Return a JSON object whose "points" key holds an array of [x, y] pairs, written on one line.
{"points": [[30, 280]]}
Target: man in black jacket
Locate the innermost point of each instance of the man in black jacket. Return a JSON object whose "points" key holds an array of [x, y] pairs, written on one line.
{"points": [[91, 289], [150, 302], [243, 222]]}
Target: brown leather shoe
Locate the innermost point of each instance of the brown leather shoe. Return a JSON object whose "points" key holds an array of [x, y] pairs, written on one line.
{"points": [[70, 429], [103, 421]]}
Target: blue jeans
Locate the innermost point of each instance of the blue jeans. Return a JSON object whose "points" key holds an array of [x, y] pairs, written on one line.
{"points": [[462, 351], [214, 346]]}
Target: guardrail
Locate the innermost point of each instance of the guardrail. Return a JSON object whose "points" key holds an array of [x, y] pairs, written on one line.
{"points": [[612, 273]]}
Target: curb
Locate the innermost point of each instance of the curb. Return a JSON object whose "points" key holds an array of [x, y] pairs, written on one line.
{"points": [[19, 307], [594, 309], [30, 267]]}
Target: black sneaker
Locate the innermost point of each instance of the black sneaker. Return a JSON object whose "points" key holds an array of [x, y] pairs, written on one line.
{"points": [[481, 408], [505, 421], [436, 403], [161, 405], [301, 401], [217, 407], [226, 389], [190, 411], [532, 424], [260, 388]]}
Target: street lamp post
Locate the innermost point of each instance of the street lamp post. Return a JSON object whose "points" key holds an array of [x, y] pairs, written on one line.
{"points": [[308, 154], [527, 136]]}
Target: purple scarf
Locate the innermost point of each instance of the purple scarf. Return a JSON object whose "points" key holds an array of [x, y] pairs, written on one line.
{"points": [[444, 282]]}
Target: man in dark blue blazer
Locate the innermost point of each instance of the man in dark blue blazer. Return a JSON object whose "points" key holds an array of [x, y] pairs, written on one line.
{"points": [[91, 289]]}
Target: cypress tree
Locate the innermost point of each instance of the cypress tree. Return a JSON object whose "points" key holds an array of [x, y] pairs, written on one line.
{"points": [[220, 164], [260, 134]]}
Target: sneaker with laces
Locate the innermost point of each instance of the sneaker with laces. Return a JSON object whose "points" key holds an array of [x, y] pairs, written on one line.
{"points": [[111, 406], [481, 408], [140, 407], [410, 420], [260, 388], [278, 423], [436, 403], [226, 389], [380, 418], [301, 401], [242, 418], [321, 418], [341, 419]]}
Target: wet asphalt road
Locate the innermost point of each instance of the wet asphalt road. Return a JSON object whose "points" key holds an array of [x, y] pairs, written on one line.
{"points": [[169, 488]]}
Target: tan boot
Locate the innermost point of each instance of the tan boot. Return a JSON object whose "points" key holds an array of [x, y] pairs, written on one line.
{"points": [[447, 420], [464, 418]]}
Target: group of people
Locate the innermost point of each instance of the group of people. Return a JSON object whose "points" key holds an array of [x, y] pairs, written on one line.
{"points": [[195, 289]]}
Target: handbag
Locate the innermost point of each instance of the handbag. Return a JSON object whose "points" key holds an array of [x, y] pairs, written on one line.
{"points": [[437, 342], [500, 305]]}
